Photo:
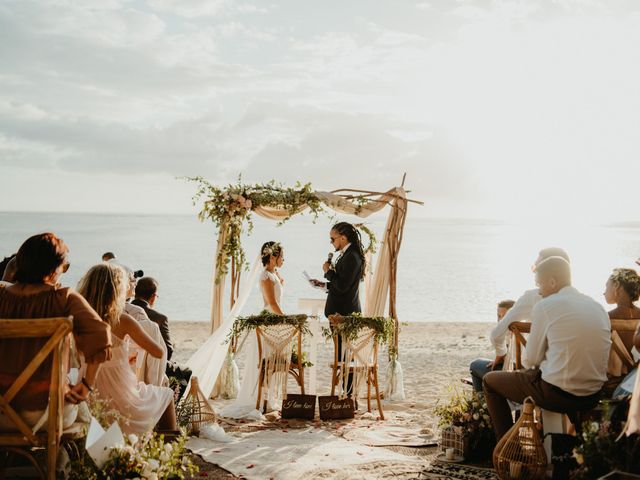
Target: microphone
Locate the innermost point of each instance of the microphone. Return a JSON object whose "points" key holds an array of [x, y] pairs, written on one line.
{"points": [[330, 257]]}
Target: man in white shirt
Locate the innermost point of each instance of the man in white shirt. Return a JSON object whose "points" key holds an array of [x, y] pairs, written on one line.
{"points": [[520, 312], [567, 352]]}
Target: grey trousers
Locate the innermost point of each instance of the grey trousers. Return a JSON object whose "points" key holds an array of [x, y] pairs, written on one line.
{"points": [[516, 386]]}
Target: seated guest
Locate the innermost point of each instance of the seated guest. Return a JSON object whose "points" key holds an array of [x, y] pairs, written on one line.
{"points": [[148, 368], [8, 270], [481, 366], [521, 310], [105, 288], [623, 289], [40, 262], [146, 296], [567, 352]]}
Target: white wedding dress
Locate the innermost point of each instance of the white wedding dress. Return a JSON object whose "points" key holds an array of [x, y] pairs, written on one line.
{"points": [[245, 404]]}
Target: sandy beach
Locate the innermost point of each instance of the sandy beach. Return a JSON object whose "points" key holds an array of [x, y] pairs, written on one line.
{"points": [[434, 357]]}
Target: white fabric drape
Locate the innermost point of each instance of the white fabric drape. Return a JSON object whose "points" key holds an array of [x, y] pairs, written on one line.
{"points": [[378, 286], [209, 359]]}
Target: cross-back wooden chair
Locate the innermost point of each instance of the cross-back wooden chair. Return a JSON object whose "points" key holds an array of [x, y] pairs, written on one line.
{"points": [[365, 349], [621, 359], [21, 439], [279, 337], [519, 329], [622, 341]]}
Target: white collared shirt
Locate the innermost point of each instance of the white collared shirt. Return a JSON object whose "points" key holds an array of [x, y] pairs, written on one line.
{"points": [[341, 253], [520, 312], [570, 340]]}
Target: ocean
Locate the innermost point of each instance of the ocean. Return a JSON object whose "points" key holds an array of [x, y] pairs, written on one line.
{"points": [[449, 270]]}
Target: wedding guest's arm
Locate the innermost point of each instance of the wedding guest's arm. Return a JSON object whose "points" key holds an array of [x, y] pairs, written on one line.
{"points": [[80, 391], [130, 326], [537, 340], [270, 295], [91, 333], [345, 273], [521, 311]]}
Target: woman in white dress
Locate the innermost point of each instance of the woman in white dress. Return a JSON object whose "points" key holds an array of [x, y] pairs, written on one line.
{"points": [[142, 406], [271, 283]]}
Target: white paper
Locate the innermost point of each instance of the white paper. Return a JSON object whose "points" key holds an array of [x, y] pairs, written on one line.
{"points": [[308, 278], [99, 443]]}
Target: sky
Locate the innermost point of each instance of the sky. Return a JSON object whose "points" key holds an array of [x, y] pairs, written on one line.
{"points": [[494, 109]]}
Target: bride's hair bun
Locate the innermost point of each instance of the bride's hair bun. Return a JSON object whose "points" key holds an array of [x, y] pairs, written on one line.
{"points": [[268, 250]]}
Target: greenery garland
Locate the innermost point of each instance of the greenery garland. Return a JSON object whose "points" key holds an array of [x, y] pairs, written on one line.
{"points": [[231, 206], [264, 319], [349, 327]]}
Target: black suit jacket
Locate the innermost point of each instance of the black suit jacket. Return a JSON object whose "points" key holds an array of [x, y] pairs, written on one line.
{"points": [[161, 320], [344, 284]]}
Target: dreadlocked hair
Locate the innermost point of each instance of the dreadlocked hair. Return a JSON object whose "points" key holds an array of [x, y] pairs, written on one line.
{"points": [[354, 238], [104, 286]]}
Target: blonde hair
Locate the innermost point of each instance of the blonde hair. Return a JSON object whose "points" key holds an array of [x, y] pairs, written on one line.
{"points": [[104, 286]]}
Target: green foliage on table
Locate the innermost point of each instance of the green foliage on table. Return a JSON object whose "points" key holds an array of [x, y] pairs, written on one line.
{"points": [[264, 319], [350, 325], [232, 205]]}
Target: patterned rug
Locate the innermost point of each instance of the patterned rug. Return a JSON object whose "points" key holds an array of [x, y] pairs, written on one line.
{"points": [[443, 470]]}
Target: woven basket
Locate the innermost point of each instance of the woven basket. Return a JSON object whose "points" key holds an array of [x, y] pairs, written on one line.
{"points": [[520, 453], [200, 412], [453, 437]]}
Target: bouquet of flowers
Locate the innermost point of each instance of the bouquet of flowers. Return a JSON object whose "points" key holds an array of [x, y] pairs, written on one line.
{"points": [[467, 412], [147, 457], [601, 449]]}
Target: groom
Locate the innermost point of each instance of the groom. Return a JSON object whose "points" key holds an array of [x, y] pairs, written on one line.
{"points": [[344, 274]]}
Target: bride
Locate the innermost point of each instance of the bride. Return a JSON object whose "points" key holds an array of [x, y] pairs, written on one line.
{"points": [[271, 287], [271, 283]]}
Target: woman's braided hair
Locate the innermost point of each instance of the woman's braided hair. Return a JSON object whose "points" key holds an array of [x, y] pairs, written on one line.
{"points": [[629, 280], [353, 236]]}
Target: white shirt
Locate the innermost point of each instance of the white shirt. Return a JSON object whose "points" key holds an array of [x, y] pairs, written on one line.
{"points": [[570, 340], [341, 253], [520, 312], [149, 369]]}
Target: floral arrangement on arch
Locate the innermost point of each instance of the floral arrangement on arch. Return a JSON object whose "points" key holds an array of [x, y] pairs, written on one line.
{"points": [[468, 411], [231, 206]]}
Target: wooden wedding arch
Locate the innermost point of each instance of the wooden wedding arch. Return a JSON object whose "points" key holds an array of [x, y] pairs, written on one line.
{"points": [[231, 209]]}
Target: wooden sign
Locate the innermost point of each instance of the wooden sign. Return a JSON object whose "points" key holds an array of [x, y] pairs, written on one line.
{"points": [[299, 406], [331, 408]]}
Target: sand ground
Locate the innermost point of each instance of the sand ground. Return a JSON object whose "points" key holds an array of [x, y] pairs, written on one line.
{"points": [[434, 357]]}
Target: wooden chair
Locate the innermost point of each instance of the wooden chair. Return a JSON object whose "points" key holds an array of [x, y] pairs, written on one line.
{"points": [[22, 440], [365, 343], [621, 359], [284, 338], [518, 329]]}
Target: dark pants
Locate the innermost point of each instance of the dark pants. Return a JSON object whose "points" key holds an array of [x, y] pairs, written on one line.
{"points": [[516, 386], [479, 369]]}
